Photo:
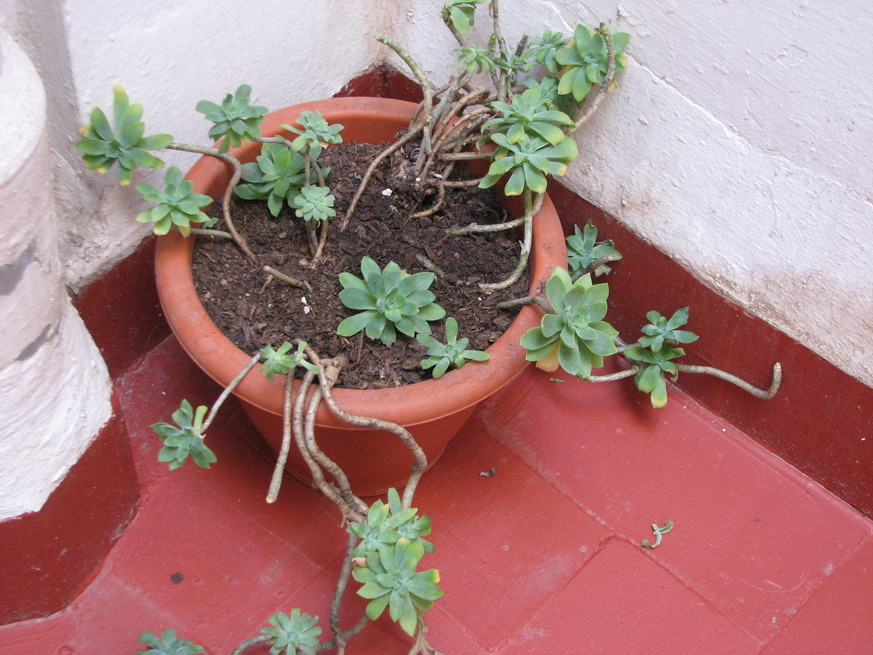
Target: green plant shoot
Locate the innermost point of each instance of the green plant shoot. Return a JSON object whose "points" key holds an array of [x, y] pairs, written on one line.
{"points": [[168, 644], [659, 330], [281, 361], [293, 634], [575, 336], [583, 251], [235, 119], [387, 524], [528, 162], [453, 352], [390, 579], [314, 204], [585, 61], [185, 438], [314, 132], [102, 146], [461, 14], [177, 205], [278, 174]]}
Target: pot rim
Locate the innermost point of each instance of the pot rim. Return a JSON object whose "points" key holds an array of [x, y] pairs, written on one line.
{"points": [[408, 405]]}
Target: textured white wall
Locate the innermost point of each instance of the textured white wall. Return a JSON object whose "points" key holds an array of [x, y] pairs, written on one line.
{"points": [[738, 143], [54, 388]]}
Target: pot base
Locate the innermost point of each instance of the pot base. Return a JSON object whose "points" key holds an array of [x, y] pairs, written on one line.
{"points": [[373, 460]]}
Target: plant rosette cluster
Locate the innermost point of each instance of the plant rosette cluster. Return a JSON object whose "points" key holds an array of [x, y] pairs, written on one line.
{"points": [[386, 561]]}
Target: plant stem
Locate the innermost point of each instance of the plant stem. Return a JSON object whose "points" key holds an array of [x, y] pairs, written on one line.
{"points": [[279, 469], [322, 241], [378, 424], [463, 156], [495, 227], [339, 590], [433, 209], [426, 88], [248, 643], [620, 375], [209, 232], [228, 389], [225, 201], [318, 479], [429, 265], [327, 377], [543, 304], [460, 183], [530, 210], [764, 394], [294, 282], [413, 131]]}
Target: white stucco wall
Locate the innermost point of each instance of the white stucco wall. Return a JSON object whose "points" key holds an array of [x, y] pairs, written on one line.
{"points": [[54, 387], [738, 143]]}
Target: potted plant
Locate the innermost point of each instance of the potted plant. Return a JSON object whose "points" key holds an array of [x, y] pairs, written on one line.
{"points": [[519, 133]]}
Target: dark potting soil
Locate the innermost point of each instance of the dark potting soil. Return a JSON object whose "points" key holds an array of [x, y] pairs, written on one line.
{"points": [[253, 309]]}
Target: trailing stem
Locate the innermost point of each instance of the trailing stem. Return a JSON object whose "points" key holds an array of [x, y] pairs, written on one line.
{"points": [[225, 201], [413, 131], [378, 424], [531, 207], [764, 394], [426, 88], [335, 604], [227, 391]]}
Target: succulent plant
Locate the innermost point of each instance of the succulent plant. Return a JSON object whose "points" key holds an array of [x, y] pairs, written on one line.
{"points": [[453, 352], [575, 336], [528, 162], [585, 61], [391, 299], [293, 634], [528, 114], [102, 146], [168, 644], [235, 119], [278, 174], [176, 205], [185, 438], [542, 49], [461, 13], [387, 524], [313, 132], [314, 204], [653, 368], [475, 59], [390, 579], [281, 362], [583, 250], [660, 330]]}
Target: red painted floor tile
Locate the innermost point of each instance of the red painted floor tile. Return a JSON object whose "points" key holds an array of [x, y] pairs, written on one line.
{"points": [[540, 557], [838, 618], [505, 543], [746, 536], [624, 602], [108, 618]]}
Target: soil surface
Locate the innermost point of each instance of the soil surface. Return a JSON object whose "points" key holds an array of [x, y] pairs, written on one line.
{"points": [[253, 309]]}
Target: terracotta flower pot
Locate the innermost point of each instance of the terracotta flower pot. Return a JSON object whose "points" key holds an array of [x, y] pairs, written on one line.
{"points": [[433, 410]]}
